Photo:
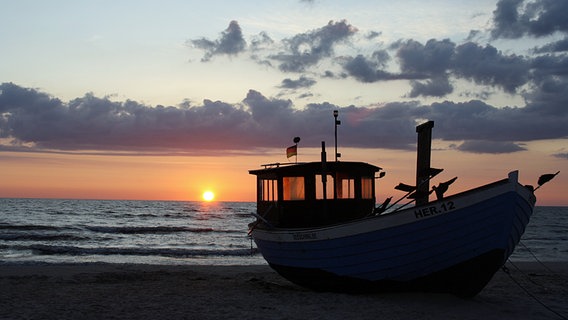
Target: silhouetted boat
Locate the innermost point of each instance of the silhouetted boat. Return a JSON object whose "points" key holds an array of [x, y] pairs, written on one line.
{"points": [[317, 226]]}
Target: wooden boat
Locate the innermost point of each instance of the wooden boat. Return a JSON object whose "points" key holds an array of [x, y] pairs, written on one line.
{"points": [[317, 226]]}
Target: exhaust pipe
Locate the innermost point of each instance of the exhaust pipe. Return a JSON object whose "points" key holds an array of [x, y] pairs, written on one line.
{"points": [[423, 155]]}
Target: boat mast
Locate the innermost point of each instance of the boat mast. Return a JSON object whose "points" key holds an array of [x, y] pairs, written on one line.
{"points": [[423, 151], [324, 177]]}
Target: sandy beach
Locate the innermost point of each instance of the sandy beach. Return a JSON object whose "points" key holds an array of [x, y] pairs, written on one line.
{"points": [[108, 291]]}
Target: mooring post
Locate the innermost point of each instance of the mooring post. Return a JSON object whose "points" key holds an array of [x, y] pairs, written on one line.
{"points": [[423, 155]]}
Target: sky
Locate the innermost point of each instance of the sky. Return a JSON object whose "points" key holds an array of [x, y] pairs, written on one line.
{"points": [[164, 100]]}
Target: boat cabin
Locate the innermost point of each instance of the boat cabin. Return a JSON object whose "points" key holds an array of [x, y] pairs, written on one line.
{"points": [[315, 193]]}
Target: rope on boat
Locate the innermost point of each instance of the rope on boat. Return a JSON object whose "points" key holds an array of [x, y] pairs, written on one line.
{"points": [[531, 295], [260, 218], [534, 256], [542, 263]]}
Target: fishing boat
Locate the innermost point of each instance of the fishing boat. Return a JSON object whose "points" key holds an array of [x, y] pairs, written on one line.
{"points": [[317, 225]]}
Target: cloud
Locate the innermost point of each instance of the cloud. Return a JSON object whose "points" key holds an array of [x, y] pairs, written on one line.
{"points": [[484, 65], [549, 65], [231, 42], [550, 80], [436, 87], [558, 46], [476, 120], [488, 66], [307, 49], [495, 147], [372, 35], [294, 54], [433, 58], [302, 82], [305, 95], [371, 70], [429, 65], [416, 62], [91, 123], [261, 41], [39, 121], [363, 69], [516, 18]]}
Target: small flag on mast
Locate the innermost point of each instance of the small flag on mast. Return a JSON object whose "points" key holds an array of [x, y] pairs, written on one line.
{"points": [[292, 151], [545, 178]]}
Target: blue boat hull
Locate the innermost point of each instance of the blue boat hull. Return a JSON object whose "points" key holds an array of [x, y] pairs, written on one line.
{"points": [[454, 245], [465, 279]]}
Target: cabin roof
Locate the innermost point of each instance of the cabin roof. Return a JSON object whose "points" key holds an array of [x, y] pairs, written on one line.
{"points": [[303, 169]]}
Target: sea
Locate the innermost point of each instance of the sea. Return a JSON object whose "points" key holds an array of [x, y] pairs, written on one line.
{"points": [[44, 231]]}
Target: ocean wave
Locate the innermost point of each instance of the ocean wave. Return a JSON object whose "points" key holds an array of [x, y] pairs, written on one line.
{"points": [[42, 237], [55, 212], [147, 230], [164, 252], [140, 215], [244, 215], [31, 227]]}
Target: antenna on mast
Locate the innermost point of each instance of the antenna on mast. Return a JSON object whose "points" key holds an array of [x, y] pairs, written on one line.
{"points": [[337, 122], [296, 140]]}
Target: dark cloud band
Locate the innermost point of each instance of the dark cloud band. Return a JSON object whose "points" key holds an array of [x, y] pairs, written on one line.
{"points": [[33, 119]]}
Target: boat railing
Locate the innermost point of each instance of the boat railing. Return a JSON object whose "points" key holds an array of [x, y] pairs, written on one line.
{"points": [[277, 165]]}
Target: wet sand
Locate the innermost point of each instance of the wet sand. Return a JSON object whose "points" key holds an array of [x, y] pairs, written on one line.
{"points": [[107, 291]]}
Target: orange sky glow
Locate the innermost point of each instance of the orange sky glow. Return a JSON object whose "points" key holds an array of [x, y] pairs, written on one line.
{"points": [[184, 178]]}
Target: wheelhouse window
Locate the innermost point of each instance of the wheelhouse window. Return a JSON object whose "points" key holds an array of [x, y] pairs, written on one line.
{"points": [[328, 186], [293, 188], [268, 189], [345, 187], [366, 188]]}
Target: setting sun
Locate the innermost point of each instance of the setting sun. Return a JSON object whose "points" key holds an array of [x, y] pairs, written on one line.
{"points": [[208, 196]]}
